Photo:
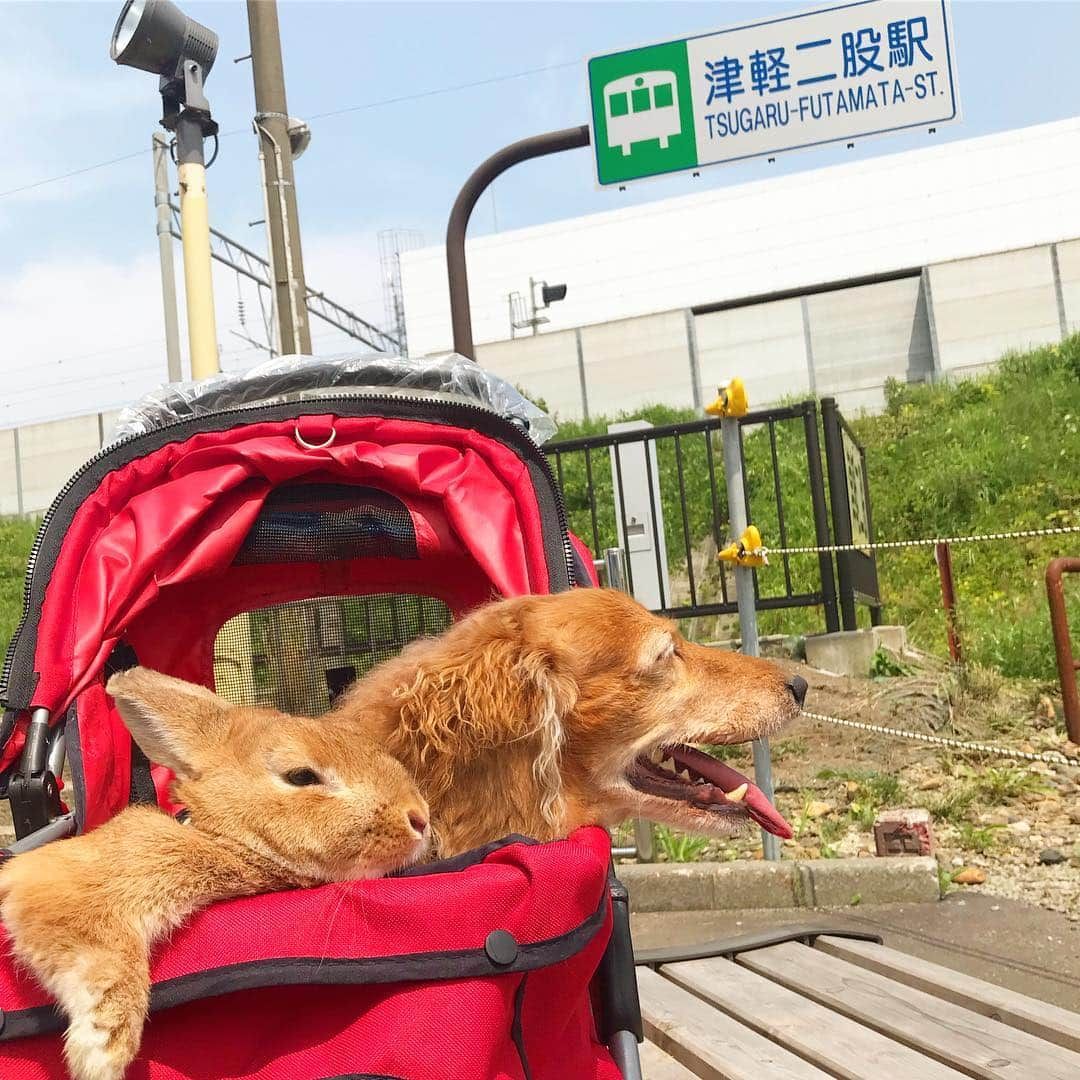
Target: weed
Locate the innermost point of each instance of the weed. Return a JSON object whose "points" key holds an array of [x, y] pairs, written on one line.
{"points": [[803, 819], [944, 880], [831, 830], [954, 805], [874, 788], [883, 665], [678, 847], [793, 747], [1001, 784], [978, 838], [734, 752]]}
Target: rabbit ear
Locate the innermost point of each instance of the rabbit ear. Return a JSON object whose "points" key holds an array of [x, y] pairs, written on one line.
{"points": [[174, 722]]}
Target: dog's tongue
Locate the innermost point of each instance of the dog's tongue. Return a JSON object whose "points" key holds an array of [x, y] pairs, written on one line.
{"points": [[728, 779]]}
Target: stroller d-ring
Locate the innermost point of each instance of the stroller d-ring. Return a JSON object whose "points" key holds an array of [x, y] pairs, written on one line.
{"points": [[314, 446]]}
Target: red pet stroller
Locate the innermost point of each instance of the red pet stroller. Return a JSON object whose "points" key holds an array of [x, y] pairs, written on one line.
{"points": [[274, 535]]}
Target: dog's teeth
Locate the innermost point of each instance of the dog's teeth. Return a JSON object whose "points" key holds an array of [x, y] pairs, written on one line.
{"points": [[656, 756], [737, 795], [684, 773], [668, 764]]}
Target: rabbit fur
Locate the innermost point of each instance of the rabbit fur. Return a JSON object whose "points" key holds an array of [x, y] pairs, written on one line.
{"points": [[276, 802]]}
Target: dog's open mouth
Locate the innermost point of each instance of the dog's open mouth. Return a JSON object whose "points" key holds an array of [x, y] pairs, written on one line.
{"points": [[681, 773]]}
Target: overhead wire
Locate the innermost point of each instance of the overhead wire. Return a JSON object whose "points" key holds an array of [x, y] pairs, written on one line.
{"points": [[364, 106]]}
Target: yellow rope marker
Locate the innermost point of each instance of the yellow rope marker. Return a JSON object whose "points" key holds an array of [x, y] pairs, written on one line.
{"points": [[746, 551], [731, 400]]}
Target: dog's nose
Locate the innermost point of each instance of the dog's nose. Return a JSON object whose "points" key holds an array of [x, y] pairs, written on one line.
{"points": [[418, 821], [797, 686]]}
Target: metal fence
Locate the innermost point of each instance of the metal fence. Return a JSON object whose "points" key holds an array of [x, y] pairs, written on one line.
{"points": [[660, 493]]}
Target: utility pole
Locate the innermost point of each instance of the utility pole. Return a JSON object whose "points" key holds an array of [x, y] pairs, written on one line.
{"points": [[168, 273], [276, 159]]}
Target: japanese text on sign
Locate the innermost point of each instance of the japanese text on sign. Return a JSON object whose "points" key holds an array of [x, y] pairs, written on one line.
{"points": [[839, 73]]}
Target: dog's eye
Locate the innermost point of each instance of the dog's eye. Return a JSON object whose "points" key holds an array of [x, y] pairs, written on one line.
{"points": [[302, 777], [666, 653]]}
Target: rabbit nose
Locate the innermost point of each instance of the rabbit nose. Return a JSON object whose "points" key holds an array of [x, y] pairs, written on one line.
{"points": [[418, 821], [797, 686]]}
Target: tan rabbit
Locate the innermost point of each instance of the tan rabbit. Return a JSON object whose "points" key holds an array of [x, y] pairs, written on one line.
{"points": [[275, 801]]}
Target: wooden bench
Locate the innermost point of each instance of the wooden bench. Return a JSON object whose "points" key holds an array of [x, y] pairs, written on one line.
{"points": [[812, 1002]]}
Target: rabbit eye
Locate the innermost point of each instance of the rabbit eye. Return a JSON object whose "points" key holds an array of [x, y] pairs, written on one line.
{"points": [[302, 777]]}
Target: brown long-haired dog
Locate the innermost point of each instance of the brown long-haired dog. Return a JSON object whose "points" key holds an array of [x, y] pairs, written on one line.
{"points": [[538, 714]]}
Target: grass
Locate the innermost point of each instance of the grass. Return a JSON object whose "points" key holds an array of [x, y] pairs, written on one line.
{"points": [[16, 537], [984, 455], [979, 838], [998, 785], [991, 454], [672, 846], [954, 806], [880, 789]]}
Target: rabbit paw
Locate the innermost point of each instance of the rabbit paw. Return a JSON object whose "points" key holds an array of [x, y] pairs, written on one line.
{"points": [[105, 1026]]}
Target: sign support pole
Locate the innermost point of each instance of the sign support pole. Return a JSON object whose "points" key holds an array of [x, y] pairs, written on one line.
{"points": [[744, 595], [552, 142]]}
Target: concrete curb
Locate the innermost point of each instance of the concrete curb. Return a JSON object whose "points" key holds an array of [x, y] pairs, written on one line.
{"points": [[787, 884]]}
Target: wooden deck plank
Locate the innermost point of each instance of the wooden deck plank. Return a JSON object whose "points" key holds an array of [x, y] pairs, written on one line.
{"points": [[708, 1043], [1038, 1018], [656, 1065], [967, 1040], [841, 1046]]}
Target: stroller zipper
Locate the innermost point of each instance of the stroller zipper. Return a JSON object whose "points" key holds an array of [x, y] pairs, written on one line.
{"points": [[536, 454]]}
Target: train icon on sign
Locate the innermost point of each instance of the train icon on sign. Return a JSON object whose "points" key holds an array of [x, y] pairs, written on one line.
{"points": [[642, 107]]}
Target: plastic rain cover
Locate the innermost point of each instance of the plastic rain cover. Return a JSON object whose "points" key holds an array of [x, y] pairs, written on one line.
{"points": [[301, 378]]}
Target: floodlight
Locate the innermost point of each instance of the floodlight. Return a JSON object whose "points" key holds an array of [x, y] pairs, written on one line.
{"points": [[551, 294], [299, 136], [544, 295], [156, 36]]}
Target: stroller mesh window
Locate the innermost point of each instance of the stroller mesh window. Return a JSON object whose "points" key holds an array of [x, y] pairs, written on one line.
{"points": [[327, 522], [299, 656]]}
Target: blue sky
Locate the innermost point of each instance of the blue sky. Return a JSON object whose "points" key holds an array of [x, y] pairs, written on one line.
{"points": [[78, 271]]}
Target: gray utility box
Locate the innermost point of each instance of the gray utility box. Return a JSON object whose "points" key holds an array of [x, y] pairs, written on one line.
{"points": [[643, 538]]}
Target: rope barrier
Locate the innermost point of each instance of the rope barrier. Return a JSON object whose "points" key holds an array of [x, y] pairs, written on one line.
{"points": [[1050, 757], [880, 545]]}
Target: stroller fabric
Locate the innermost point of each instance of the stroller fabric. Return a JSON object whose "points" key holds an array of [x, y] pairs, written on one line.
{"points": [[476, 968]]}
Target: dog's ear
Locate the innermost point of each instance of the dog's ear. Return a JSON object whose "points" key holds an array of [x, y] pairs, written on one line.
{"points": [[176, 723], [484, 687]]}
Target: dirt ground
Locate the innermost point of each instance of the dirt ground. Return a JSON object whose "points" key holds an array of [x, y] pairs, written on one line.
{"points": [[1017, 823]]}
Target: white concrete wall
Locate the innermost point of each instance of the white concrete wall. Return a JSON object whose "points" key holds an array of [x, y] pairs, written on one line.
{"points": [[49, 453], [9, 493], [860, 337], [1069, 267], [637, 362], [942, 203], [544, 366], [764, 344], [985, 307]]}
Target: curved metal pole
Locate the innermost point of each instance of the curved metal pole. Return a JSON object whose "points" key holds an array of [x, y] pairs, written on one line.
{"points": [[553, 142]]}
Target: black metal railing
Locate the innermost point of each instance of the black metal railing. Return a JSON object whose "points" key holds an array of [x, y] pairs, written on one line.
{"points": [[849, 496], [678, 469]]}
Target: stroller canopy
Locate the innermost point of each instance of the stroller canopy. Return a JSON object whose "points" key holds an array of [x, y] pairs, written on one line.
{"points": [[414, 499]]}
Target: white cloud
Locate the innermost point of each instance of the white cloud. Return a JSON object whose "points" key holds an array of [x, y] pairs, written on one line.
{"points": [[84, 334]]}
